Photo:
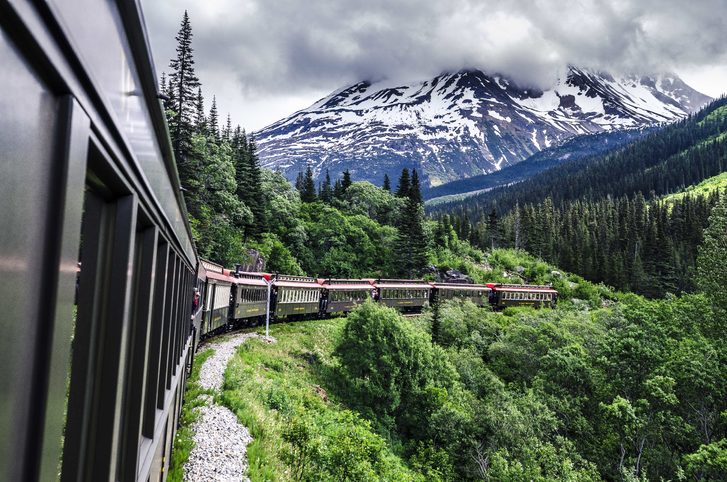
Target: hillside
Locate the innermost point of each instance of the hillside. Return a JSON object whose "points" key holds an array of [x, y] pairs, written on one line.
{"points": [[571, 150], [605, 218], [677, 156], [703, 189], [463, 393], [462, 124]]}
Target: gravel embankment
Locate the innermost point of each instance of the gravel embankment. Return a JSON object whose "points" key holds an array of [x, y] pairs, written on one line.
{"points": [[220, 441]]}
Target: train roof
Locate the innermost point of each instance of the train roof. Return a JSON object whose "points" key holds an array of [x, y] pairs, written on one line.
{"points": [[290, 281], [221, 277], [252, 275], [250, 281], [460, 286], [402, 283], [212, 267], [346, 284]]}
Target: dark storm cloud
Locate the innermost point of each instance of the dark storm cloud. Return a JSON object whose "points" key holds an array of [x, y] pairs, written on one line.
{"points": [[276, 48], [278, 45]]}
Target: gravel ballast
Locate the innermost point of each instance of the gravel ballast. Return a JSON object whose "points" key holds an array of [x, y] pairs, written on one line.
{"points": [[220, 441]]}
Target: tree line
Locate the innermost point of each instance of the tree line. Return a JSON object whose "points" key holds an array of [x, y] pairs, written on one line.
{"points": [[610, 228], [218, 165], [402, 210]]}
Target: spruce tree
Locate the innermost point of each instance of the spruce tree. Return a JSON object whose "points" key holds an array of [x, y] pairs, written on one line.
{"points": [[411, 243], [338, 190], [214, 128], [227, 133], [346, 182], [184, 84], [326, 191], [299, 182], [255, 188], [387, 183], [308, 194], [493, 226], [414, 188], [403, 189], [200, 121]]}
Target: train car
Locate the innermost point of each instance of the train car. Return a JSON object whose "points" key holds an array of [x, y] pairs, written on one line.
{"points": [[343, 295], [405, 295], [476, 293], [295, 296], [249, 301], [217, 298], [504, 295]]}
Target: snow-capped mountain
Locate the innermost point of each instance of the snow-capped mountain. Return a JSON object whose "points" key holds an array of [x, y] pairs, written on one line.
{"points": [[463, 124]]}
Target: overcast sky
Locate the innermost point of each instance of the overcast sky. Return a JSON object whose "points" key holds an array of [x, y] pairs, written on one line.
{"points": [[265, 59]]}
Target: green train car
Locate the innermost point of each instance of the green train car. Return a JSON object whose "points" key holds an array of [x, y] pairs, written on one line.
{"points": [[504, 295], [295, 296]]}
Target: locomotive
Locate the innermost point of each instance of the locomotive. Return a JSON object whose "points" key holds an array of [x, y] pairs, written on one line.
{"points": [[232, 298]]}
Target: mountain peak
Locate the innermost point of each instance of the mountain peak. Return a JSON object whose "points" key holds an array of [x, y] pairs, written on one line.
{"points": [[465, 123]]}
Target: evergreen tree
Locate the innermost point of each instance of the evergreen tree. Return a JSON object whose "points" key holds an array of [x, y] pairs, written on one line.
{"points": [[299, 181], [227, 133], [184, 83], [403, 189], [338, 191], [255, 188], [200, 121], [415, 192], [308, 194], [387, 183], [214, 121], [326, 191], [346, 182], [411, 243], [493, 227]]}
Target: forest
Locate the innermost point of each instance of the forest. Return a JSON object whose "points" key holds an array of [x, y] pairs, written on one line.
{"points": [[615, 229], [610, 385]]}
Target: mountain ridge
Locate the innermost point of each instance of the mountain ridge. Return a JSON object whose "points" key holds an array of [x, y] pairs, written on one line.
{"points": [[463, 124]]}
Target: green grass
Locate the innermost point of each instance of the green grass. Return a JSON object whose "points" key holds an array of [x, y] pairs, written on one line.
{"points": [[183, 443], [275, 387], [704, 188]]}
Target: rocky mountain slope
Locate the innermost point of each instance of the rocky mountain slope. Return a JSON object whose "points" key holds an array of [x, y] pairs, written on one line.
{"points": [[463, 124]]}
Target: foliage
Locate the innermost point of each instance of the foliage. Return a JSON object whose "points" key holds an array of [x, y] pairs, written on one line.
{"points": [[608, 228], [300, 431]]}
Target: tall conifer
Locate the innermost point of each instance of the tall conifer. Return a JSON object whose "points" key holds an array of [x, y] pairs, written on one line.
{"points": [[184, 84], [403, 189]]}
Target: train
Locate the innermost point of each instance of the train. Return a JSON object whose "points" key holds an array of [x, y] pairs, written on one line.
{"points": [[235, 298]]}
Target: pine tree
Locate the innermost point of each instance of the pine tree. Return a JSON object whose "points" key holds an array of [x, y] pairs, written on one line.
{"points": [[387, 183], [255, 188], [403, 189], [346, 182], [414, 189], [214, 121], [299, 180], [227, 133], [183, 82], [326, 191], [411, 242], [493, 227], [338, 192], [200, 121], [308, 194]]}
